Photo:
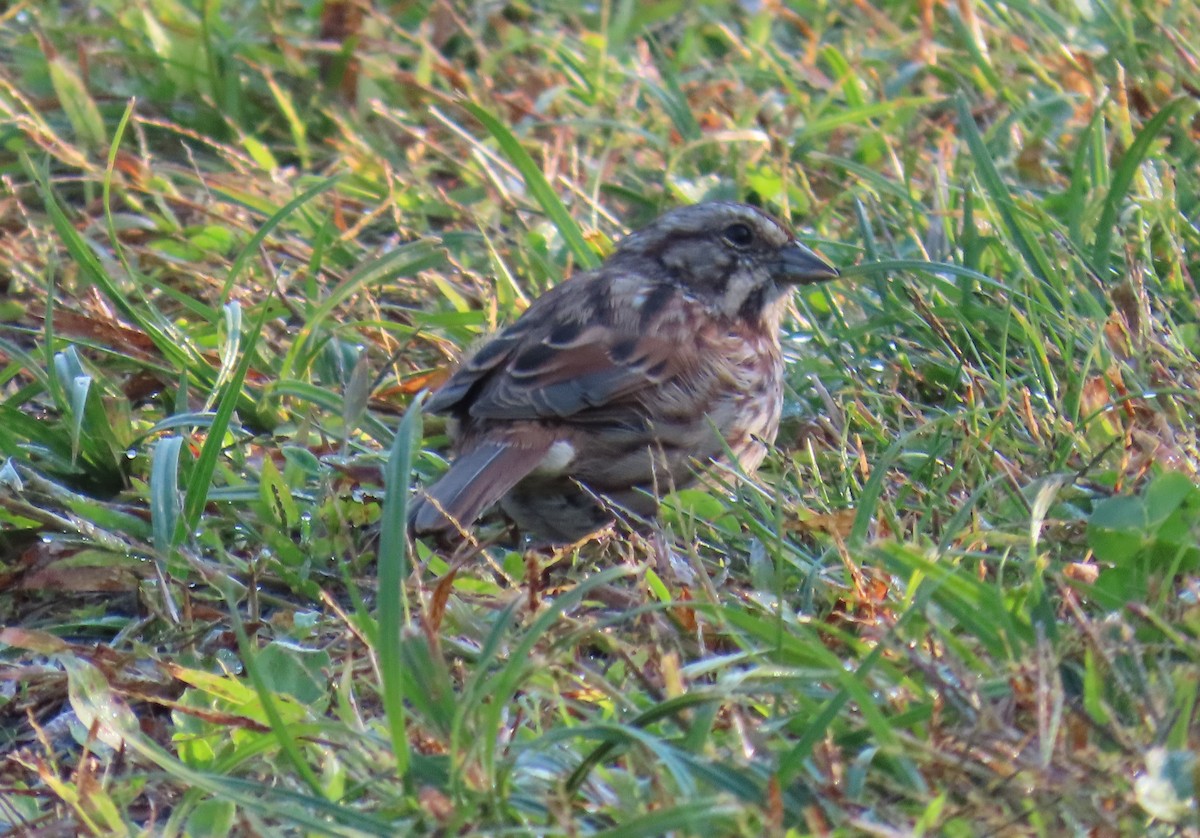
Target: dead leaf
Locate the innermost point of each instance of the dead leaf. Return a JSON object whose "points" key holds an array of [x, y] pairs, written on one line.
{"points": [[41, 642], [436, 803], [1082, 572], [437, 604], [99, 329], [1094, 397], [775, 805], [838, 523], [414, 384], [685, 615]]}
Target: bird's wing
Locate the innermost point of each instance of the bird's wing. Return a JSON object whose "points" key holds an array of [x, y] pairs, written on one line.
{"points": [[555, 363], [590, 377]]}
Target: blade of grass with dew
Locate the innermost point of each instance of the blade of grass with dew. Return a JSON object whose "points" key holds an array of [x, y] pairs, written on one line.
{"points": [[206, 464], [232, 316], [394, 612], [75, 385], [99, 437], [164, 492]]}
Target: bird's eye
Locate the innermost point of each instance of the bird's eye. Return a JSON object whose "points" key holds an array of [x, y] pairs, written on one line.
{"points": [[738, 235]]}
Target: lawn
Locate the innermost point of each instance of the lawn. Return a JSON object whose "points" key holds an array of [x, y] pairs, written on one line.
{"points": [[239, 239]]}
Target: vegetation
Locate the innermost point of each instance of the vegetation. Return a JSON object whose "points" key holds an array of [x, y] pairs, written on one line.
{"points": [[238, 238]]}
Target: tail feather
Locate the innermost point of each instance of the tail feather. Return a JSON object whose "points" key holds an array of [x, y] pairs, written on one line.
{"points": [[476, 480]]}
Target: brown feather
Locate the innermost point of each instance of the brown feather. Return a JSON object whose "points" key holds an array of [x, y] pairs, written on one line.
{"points": [[475, 481], [603, 375]]}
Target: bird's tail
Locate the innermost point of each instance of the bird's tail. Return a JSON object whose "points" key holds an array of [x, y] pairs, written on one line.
{"points": [[476, 479]]}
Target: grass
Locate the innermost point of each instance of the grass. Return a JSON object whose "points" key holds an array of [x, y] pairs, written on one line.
{"points": [[238, 239]]}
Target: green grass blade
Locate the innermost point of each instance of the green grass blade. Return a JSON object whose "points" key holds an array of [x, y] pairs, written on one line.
{"points": [[537, 185], [206, 464], [164, 492], [393, 568], [696, 817], [268, 227], [89, 265], [985, 167], [406, 260], [1122, 179]]}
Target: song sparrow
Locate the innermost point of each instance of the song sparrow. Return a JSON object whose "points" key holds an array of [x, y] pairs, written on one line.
{"points": [[613, 386]]}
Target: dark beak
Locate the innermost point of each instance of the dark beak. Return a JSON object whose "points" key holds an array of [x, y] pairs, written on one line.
{"points": [[800, 266]]}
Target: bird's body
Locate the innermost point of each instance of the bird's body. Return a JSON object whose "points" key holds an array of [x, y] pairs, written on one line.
{"points": [[611, 388]]}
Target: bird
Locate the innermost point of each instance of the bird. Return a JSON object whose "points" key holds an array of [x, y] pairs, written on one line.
{"points": [[623, 382]]}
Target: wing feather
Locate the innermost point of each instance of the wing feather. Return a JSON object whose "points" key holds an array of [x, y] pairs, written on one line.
{"points": [[548, 366], [603, 373]]}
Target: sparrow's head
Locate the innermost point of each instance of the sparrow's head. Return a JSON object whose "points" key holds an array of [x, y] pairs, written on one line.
{"points": [[735, 258]]}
